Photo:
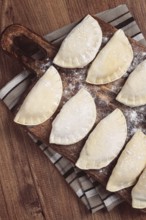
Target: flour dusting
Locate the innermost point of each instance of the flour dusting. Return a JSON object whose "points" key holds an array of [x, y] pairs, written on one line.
{"points": [[46, 64], [138, 58], [105, 95], [105, 40]]}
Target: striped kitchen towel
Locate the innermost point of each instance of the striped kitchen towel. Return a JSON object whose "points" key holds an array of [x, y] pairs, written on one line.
{"points": [[90, 192]]}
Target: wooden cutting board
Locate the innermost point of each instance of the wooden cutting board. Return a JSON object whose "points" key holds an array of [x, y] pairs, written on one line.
{"points": [[12, 42]]}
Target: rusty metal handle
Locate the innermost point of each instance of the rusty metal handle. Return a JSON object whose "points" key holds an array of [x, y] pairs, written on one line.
{"points": [[26, 46]]}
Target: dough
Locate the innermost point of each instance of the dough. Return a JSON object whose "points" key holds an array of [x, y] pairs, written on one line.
{"points": [[104, 143], [42, 101], [133, 92], [130, 164], [75, 119], [139, 192], [113, 60], [81, 45]]}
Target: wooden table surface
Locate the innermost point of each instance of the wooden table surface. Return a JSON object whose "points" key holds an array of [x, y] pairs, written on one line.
{"points": [[30, 186]]}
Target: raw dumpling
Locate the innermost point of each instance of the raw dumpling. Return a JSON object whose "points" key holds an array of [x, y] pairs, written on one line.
{"points": [[112, 61], [81, 45], [139, 192], [133, 92], [130, 164], [75, 119], [104, 143], [42, 101]]}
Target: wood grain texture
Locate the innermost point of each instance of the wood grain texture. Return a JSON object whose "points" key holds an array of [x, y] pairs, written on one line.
{"points": [[30, 187]]}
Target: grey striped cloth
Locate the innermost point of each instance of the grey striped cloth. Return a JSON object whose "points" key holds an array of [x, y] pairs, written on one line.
{"points": [[90, 192]]}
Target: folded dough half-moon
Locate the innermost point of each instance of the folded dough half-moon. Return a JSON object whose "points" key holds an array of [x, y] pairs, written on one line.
{"points": [[75, 119], [112, 61], [130, 164], [43, 99], [139, 192], [133, 92], [81, 45], [104, 143]]}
